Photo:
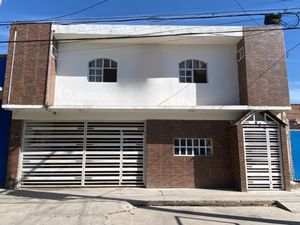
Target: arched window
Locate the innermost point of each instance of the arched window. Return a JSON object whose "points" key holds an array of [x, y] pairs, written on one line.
{"points": [[102, 70], [192, 71]]}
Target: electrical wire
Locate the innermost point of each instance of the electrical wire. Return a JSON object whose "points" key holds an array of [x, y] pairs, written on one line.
{"points": [[275, 63], [241, 7], [213, 15], [148, 36], [73, 13]]}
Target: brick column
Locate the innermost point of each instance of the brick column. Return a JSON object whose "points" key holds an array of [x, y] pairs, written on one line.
{"points": [[285, 159], [13, 162], [238, 157]]}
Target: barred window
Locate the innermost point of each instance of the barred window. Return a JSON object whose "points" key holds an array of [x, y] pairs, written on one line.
{"points": [[102, 70], [193, 147], [192, 71]]}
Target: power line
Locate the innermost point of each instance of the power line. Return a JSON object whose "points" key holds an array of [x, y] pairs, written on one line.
{"points": [[241, 7], [150, 36], [276, 62], [73, 13], [213, 15]]}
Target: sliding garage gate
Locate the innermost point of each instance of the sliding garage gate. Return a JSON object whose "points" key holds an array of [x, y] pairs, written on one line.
{"points": [[83, 154], [263, 156]]}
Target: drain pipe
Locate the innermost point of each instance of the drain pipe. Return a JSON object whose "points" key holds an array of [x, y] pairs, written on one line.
{"points": [[49, 64], [12, 65]]}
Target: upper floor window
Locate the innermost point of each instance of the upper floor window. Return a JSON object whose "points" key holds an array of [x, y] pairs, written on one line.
{"points": [[192, 71], [102, 70]]}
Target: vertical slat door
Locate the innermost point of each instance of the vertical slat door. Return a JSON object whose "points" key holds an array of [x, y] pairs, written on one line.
{"points": [[83, 154], [114, 154], [263, 158], [132, 155], [52, 154], [102, 165]]}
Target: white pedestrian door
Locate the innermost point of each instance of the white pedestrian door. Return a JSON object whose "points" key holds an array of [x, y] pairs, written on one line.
{"points": [[83, 154], [263, 156]]}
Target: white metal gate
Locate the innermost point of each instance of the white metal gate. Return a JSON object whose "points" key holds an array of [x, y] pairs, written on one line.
{"points": [[263, 156], [83, 154]]}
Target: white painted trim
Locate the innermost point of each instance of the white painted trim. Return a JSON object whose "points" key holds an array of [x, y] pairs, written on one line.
{"points": [[12, 65], [9, 106], [110, 30], [204, 107], [160, 107]]}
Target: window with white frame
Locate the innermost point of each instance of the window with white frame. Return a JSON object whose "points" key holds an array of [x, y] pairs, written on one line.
{"points": [[193, 147], [102, 70], [192, 71], [240, 54]]}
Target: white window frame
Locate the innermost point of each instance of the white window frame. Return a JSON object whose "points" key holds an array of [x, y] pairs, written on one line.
{"points": [[100, 69], [185, 69], [240, 54], [207, 148], [251, 119]]}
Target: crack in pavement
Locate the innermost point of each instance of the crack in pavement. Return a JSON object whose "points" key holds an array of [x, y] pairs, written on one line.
{"points": [[130, 209]]}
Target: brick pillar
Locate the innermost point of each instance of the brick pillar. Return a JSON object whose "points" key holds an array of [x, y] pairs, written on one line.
{"points": [[13, 163], [238, 157], [285, 159]]}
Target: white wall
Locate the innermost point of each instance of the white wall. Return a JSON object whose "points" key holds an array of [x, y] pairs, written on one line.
{"points": [[147, 75]]}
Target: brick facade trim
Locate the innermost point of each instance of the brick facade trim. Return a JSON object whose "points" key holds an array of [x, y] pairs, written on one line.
{"points": [[30, 66], [262, 72]]}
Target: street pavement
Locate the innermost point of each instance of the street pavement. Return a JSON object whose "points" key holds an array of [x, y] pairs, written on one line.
{"points": [[117, 206]]}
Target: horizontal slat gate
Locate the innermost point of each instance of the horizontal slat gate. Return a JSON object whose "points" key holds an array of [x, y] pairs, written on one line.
{"points": [[52, 154], [114, 154], [263, 158], [83, 154]]}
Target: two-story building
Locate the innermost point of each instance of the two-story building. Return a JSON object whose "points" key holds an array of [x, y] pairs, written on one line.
{"points": [[153, 106]]}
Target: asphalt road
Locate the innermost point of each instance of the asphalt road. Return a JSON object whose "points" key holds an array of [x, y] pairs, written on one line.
{"points": [[121, 213]]}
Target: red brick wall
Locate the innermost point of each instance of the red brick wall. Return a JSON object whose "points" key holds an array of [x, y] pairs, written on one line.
{"points": [[30, 67], [163, 169], [14, 148], [263, 74]]}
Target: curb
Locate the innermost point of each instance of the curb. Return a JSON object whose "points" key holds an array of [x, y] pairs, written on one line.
{"points": [[204, 203]]}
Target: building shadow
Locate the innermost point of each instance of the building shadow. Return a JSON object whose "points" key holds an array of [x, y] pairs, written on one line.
{"points": [[44, 195]]}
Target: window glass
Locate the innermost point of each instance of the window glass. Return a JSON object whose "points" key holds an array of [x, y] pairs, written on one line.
{"points": [[182, 65], [189, 64], [200, 76], [106, 63], [192, 147], [92, 79], [110, 75], [102, 70], [92, 63], [92, 72], [196, 64], [192, 71], [99, 63], [113, 64]]}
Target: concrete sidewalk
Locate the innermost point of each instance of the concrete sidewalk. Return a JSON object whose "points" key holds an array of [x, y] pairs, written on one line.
{"points": [[157, 197]]}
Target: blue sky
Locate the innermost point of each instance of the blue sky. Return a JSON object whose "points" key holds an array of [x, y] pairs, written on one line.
{"points": [[37, 9]]}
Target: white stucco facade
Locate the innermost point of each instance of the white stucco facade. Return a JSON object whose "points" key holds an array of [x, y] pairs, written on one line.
{"points": [[147, 75], [148, 67]]}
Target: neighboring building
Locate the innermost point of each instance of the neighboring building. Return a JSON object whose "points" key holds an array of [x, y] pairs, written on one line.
{"points": [[5, 118], [103, 105], [294, 119]]}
